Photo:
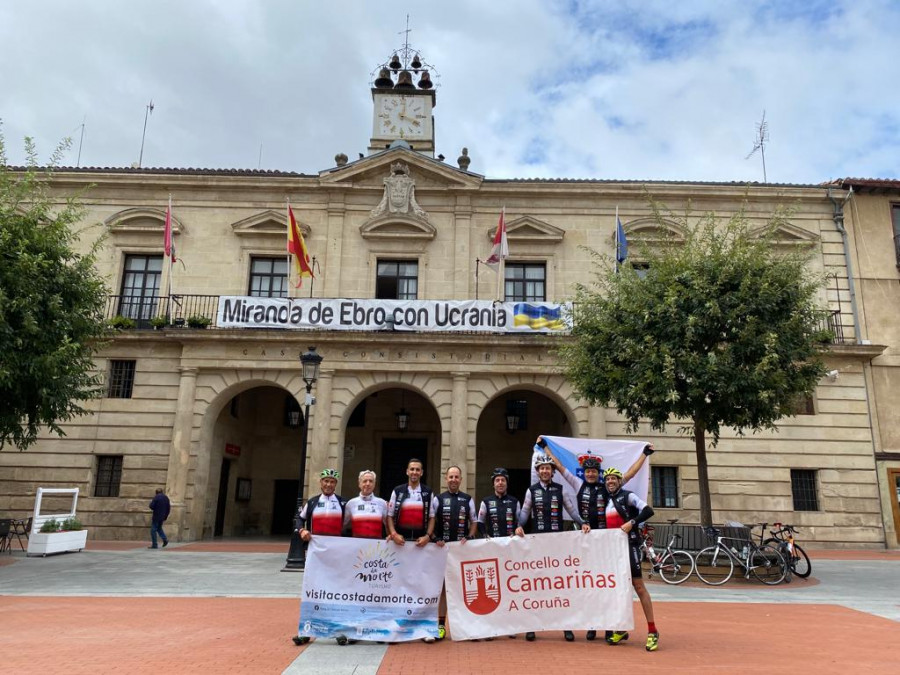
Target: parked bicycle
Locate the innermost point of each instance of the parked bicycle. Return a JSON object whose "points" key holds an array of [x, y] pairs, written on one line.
{"points": [[715, 564], [783, 539], [673, 565]]}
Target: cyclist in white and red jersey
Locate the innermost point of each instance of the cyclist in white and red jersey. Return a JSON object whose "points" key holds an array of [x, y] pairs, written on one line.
{"points": [[365, 515]]}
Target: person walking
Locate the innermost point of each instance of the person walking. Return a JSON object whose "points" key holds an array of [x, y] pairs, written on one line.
{"points": [[160, 507]]}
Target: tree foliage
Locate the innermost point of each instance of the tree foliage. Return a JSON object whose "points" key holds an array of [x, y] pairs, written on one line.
{"points": [[722, 330], [52, 304]]}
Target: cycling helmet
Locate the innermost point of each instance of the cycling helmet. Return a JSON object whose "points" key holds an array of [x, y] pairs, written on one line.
{"points": [[613, 471], [540, 460], [590, 462], [499, 471], [330, 473]]}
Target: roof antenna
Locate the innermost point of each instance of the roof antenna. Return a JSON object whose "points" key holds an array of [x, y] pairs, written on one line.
{"points": [[144, 135], [762, 137]]}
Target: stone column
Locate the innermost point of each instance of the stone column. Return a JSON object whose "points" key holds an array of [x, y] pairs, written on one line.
{"points": [[331, 265], [180, 450], [462, 258], [320, 451], [596, 422], [459, 419]]}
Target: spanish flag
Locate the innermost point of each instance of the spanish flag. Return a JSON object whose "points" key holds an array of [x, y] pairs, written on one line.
{"points": [[297, 247]]}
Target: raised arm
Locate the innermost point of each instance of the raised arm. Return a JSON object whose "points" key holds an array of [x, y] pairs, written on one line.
{"points": [[639, 462]]}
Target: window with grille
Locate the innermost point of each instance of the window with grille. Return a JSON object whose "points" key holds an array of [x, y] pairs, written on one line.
{"points": [[525, 282], [121, 379], [397, 280], [268, 277], [665, 486], [895, 218], [803, 488], [140, 287], [109, 475]]}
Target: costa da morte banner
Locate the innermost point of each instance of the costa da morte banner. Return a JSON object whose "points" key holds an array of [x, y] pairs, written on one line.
{"points": [[401, 315]]}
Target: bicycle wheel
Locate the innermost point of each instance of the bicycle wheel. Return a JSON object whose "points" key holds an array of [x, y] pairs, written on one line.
{"points": [[676, 566], [714, 566], [800, 563], [767, 565]]}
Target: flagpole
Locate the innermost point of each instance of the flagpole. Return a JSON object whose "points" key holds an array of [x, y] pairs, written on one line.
{"points": [[617, 239], [312, 281], [287, 218], [477, 263], [501, 269], [171, 247]]}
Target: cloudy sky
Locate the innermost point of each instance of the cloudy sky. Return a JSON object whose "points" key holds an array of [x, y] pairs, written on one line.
{"points": [[626, 89]]}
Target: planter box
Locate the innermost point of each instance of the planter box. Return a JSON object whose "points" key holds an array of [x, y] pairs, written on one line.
{"points": [[42, 543]]}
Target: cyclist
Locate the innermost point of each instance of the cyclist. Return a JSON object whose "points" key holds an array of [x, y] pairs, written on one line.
{"points": [[411, 512], [626, 510], [498, 514], [591, 493], [454, 520], [543, 505], [366, 514], [322, 515]]}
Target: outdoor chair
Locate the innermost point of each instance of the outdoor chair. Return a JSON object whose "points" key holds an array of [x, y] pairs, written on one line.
{"points": [[5, 535], [20, 527]]}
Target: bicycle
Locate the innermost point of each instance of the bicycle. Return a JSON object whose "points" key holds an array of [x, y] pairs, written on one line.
{"points": [[797, 560], [717, 562], [673, 565]]}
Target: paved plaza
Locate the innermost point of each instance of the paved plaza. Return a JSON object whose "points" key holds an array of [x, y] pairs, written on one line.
{"points": [[226, 607]]}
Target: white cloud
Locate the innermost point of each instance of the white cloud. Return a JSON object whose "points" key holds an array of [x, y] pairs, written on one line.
{"points": [[626, 90]]}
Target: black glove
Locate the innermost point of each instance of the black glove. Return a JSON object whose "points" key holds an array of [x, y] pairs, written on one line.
{"points": [[542, 443], [648, 450]]}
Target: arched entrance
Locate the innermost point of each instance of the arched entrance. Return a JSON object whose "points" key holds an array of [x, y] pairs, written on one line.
{"points": [[505, 435], [386, 428], [254, 464]]}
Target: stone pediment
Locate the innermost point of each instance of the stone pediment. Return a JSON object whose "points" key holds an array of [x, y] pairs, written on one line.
{"points": [[788, 235], [528, 229], [268, 223], [397, 227], [142, 220], [370, 172], [653, 231]]}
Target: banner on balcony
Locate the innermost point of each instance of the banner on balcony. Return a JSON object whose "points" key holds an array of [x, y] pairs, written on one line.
{"points": [[401, 315], [557, 581], [371, 589]]}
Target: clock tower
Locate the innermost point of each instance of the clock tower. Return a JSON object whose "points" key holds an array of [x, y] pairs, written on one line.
{"points": [[404, 99]]}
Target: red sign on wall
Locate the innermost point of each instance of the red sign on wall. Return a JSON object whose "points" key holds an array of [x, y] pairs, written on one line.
{"points": [[233, 450]]}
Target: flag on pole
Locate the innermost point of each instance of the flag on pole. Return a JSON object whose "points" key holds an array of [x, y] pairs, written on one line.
{"points": [[297, 247], [621, 242], [501, 247], [169, 238]]}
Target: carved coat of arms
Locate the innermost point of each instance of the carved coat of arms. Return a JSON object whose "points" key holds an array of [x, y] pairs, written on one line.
{"points": [[399, 194]]}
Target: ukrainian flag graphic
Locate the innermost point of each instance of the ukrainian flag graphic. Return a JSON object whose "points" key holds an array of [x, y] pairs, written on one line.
{"points": [[538, 317]]}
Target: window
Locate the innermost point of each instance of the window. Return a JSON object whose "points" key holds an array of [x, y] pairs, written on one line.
{"points": [[665, 486], [121, 379], [140, 287], [268, 277], [641, 269], [803, 405], [109, 475], [803, 488], [895, 217], [397, 280], [525, 282]]}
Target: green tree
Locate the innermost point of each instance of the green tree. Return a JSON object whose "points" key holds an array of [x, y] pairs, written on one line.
{"points": [[52, 304], [723, 330]]}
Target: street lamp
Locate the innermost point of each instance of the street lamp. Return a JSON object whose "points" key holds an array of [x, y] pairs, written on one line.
{"points": [[310, 361]]}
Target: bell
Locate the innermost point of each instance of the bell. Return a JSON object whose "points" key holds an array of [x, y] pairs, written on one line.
{"points": [[395, 62], [404, 81], [384, 80], [416, 62], [425, 80]]}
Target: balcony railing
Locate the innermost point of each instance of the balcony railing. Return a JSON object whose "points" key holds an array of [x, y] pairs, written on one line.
{"points": [[179, 309]]}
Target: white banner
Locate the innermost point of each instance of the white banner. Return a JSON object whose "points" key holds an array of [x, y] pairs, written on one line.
{"points": [[618, 454], [370, 589], [401, 315], [562, 580]]}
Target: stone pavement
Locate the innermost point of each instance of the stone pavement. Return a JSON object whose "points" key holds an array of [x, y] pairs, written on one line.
{"points": [[227, 607]]}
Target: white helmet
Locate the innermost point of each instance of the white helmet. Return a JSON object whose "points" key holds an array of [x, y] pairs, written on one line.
{"points": [[540, 460]]}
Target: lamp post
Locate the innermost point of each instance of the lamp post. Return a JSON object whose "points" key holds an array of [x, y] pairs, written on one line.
{"points": [[310, 361]]}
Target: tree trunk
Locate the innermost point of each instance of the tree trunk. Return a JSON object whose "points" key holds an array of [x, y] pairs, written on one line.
{"points": [[702, 474]]}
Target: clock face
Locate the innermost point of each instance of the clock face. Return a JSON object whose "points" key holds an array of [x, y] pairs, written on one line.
{"points": [[402, 117]]}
